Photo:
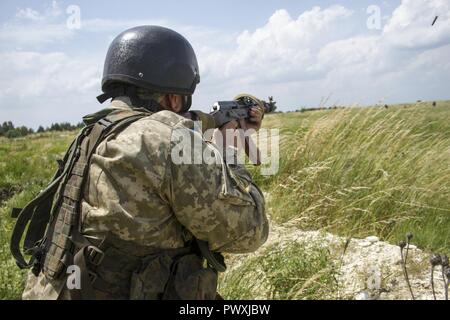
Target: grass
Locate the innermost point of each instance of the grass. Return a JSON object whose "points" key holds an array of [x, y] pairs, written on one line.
{"points": [[286, 272], [365, 171], [353, 172]]}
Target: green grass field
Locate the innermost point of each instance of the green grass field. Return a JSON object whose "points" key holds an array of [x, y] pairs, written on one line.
{"points": [[366, 171], [354, 172]]}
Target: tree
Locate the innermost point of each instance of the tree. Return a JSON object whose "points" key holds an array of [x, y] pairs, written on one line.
{"points": [[55, 127], [23, 131], [8, 129], [272, 105], [12, 133], [6, 126]]}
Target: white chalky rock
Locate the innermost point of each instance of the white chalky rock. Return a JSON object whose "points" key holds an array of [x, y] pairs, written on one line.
{"points": [[372, 239], [367, 269], [365, 243]]}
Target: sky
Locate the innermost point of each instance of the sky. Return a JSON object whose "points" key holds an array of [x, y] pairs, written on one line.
{"points": [[304, 53]]}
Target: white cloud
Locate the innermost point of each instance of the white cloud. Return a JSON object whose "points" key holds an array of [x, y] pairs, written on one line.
{"points": [[29, 14], [53, 10], [41, 88], [283, 47], [410, 24], [32, 28], [33, 74], [39, 34]]}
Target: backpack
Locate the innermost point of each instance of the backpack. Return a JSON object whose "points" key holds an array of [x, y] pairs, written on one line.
{"points": [[51, 220]]}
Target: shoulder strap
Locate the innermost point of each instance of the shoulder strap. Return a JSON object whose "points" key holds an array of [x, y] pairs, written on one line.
{"points": [[214, 259], [30, 210]]}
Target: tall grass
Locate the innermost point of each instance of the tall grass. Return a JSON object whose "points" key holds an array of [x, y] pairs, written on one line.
{"points": [[294, 270], [366, 171]]}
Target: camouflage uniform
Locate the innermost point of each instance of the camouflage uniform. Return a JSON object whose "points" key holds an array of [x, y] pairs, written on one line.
{"points": [[143, 202]]}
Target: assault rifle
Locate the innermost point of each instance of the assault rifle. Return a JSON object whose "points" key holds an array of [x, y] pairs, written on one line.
{"points": [[238, 109]]}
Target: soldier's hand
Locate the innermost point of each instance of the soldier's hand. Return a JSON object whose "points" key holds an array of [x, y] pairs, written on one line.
{"points": [[256, 116], [254, 122]]}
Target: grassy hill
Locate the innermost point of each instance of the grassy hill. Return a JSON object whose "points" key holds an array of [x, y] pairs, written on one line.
{"points": [[353, 172]]}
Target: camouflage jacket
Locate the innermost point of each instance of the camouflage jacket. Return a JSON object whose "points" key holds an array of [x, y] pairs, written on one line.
{"points": [[137, 196]]}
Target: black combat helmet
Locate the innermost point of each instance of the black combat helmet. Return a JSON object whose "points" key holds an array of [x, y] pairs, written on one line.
{"points": [[152, 57]]}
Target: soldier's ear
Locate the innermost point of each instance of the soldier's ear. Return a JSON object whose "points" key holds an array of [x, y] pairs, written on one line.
{"points": [[175, 102]]}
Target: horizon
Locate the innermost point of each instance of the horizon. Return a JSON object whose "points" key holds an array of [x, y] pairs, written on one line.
{"points": [[294, 109]]}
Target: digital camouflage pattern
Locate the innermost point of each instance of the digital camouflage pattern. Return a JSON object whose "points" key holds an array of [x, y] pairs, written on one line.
{"points": [[142, 201]]}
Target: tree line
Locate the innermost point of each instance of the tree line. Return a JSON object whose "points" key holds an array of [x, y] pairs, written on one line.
{"points": [[8, 130]]}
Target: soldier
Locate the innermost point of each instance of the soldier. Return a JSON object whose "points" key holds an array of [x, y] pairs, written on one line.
{"points": [[132, 222]]}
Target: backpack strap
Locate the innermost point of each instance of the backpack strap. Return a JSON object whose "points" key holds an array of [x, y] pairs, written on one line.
{"points": [[64, 236], [214, 259], [35, 209]]}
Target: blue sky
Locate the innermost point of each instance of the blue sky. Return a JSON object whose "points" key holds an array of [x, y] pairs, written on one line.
{"points": [[301, 52], [232, 15]]}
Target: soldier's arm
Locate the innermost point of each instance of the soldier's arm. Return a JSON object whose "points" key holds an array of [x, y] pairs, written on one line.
{"points": [[218, 202]]}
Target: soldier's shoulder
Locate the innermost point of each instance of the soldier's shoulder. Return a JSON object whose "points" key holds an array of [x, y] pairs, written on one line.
{"points": [[161, 123], [168, 118]]}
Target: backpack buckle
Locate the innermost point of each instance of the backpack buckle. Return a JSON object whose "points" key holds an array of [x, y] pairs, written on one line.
{"points": [[105, 122], [95, 255]]}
